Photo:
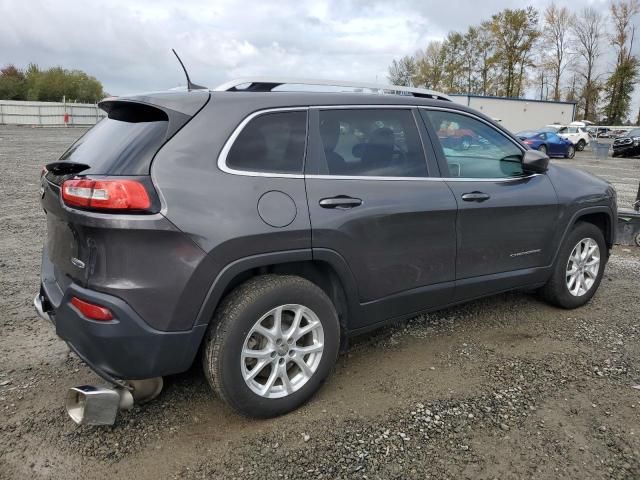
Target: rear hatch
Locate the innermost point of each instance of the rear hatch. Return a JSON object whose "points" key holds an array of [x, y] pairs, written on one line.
{"points": [[118, 151]]}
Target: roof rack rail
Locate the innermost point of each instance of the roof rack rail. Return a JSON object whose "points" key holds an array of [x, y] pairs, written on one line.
{"points": [[268, 84]]}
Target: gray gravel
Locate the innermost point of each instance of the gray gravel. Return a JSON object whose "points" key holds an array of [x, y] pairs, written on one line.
{"points": [[505, 387]]}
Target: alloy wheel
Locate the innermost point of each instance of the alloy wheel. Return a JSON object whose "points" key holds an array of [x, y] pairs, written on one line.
{"points": [[583, 267], [282, 351]]}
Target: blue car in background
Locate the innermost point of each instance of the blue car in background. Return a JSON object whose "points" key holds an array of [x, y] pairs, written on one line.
{"points": [[547, 142]]}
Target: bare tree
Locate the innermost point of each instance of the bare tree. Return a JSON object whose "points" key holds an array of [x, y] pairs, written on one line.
{"points": [[403, 71], [588, 31], [555, 40]]}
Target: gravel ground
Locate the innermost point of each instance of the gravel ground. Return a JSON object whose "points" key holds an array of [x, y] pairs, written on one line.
{"points": [[506, 387]]}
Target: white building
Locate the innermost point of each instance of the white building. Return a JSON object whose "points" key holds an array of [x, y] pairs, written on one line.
{"points": [[519, 114]]}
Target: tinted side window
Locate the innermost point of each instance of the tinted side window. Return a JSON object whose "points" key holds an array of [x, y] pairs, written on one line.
{"points": [[371, 142], [474, 149], [272, 142]]}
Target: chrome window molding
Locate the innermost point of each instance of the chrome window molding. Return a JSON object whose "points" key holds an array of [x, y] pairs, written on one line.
{"points": [[222, 158], [419, 179]]}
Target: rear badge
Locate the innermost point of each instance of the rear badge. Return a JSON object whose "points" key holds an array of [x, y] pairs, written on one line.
{"points": [[77, 263]]}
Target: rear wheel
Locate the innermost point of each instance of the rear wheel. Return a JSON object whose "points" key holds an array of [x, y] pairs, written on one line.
{"points": [[272, 343], [580, 145], [543, 149], [578, 268]]}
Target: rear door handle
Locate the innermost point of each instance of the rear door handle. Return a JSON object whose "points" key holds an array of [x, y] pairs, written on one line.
{"points": [[341, 201], [475, 197]]}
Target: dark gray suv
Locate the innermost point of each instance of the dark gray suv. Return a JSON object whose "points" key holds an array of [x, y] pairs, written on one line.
{"points": [[257, 229]]}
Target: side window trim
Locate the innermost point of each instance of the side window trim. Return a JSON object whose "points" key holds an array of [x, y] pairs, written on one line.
{"points": [[222, 157], [439, 152]]}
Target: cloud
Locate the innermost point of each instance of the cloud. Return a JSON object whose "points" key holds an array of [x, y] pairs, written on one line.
{"points": [[126, 44]]}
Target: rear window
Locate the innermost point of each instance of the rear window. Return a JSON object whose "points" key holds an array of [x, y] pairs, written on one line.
{"points": [[272, 142], [124, 143]]}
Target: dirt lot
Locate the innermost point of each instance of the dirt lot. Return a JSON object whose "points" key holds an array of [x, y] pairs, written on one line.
{"points": [[505, 387]]}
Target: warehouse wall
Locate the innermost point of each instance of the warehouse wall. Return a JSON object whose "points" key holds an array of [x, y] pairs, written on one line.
{"points": [[517, 115], [48, 113]]}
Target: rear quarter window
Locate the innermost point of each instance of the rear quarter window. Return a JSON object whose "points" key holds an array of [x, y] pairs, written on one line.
{"points": [[271, 143]]}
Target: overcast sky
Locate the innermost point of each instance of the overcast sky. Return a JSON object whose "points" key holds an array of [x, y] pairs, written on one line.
{"points": [[126, 44]]}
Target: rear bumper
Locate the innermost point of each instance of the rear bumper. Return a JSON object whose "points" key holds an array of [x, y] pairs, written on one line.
{"points": [[123, 348]]}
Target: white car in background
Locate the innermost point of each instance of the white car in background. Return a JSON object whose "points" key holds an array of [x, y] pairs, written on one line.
{"points": [[575, 132]]}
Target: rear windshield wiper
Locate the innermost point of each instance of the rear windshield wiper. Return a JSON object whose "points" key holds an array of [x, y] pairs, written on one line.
{"points": [[66, 168]]}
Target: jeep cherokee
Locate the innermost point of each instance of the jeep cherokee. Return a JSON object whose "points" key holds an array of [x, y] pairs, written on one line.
{"points": [[256, 228]]}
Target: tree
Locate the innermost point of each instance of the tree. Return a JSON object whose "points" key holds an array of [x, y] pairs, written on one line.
{"points": [[620, 84], [453, 66], [403, 71], [587, 28], [555, 40], [430, 66], [12, 83], [515, 33], [486, 56], [49, 85]]}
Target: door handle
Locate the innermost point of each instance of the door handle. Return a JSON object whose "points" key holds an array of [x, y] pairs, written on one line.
{"points": [[341, 201], [475, 197]]}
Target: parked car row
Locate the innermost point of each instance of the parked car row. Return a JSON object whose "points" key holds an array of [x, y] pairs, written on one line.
{"points": [[575, 132], [548, 142]]}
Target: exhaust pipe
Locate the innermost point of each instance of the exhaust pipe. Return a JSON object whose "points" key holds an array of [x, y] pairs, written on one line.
{"points": [[89, 405]]}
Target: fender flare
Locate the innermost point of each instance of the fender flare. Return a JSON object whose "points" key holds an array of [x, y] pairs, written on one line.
{"points": [[580, 213], [237, 267]]}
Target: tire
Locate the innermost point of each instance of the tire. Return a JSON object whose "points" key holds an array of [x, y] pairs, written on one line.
{"points": [[232, 332], [580, 145], [542, 149], [571, 152], [557, 291]]}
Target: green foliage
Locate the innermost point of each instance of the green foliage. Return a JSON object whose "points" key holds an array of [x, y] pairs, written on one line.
{"points": [[490, 58], [12, 83], [621, 83], [49, 85]]}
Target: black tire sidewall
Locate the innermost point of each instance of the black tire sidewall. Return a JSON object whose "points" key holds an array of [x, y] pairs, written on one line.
{"points": [[580, 231], [543, 149], [237, 393], [571, 152]]}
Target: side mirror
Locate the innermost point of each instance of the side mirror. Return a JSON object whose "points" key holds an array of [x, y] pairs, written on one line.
{"points": [[535, 161]]}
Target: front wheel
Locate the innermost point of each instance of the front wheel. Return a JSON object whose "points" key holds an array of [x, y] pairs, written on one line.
{"points": [[571, 152], [580, 145], [272, 343], [578, 268]]}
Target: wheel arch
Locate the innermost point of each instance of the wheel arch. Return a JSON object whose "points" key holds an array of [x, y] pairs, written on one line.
{"points": [[325, 268], [601, 217]]}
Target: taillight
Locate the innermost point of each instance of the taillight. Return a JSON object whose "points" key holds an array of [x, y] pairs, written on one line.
{"points": [[106, 194], [528, 142], [91, 310]]}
